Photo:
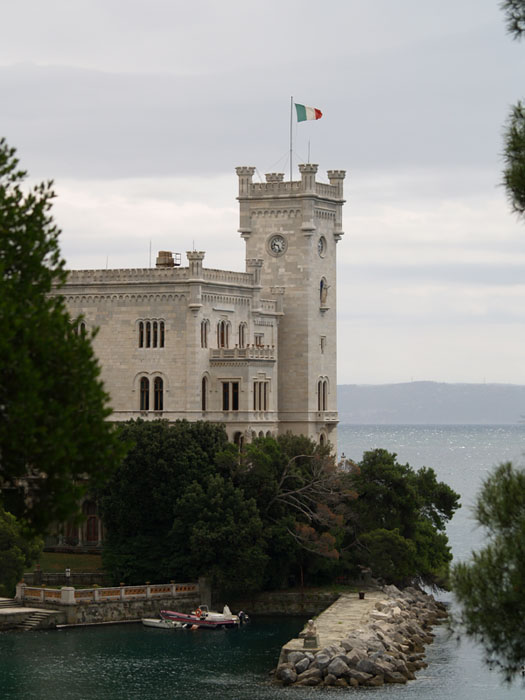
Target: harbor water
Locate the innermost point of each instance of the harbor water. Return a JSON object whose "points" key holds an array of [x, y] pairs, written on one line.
{"points": [[132, 662]]}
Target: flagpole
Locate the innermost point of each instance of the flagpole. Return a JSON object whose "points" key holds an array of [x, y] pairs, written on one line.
{"points": [[291, 111]]}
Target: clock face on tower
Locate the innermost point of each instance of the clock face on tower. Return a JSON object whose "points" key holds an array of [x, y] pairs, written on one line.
{"points": [[277, 244], [321, 246]]}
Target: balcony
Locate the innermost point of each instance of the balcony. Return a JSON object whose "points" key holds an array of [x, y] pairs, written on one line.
{"points": [[265, 353]]}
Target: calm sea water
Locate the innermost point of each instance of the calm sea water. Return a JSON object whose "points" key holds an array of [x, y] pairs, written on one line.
{"points": [[131, 662]]}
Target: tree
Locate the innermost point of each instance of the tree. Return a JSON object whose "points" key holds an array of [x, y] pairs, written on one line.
{"points": [[172, 510], [400, 518], [55, 442], [514, 131], [18, 549], [491, 586], [515, 16]]}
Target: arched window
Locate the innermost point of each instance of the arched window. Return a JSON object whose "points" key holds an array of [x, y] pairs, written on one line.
{"points": [[222, 334], [141, 334], [82, 328], [323, 291], [325, 394], [144, 394], [204, 394], [204, 333], [155, 333], [322, 440], [319, 395], [161, 334], [158, 391], [148, 334], [242, 335]]}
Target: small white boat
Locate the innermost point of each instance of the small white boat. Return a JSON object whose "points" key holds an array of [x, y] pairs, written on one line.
{"points": [[161, 623], [204, 618]]}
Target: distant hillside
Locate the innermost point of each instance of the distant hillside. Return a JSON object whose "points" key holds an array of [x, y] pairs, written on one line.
{"points": [[431, 403]]}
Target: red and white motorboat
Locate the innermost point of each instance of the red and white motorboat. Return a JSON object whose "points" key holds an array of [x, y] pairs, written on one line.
{"points": [[202, 617]]}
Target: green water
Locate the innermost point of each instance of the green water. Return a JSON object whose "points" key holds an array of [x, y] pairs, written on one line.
{"points": [[130, 661]]}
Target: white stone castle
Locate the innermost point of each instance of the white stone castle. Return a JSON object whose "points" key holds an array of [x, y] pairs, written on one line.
{"points": [[253, 350]]}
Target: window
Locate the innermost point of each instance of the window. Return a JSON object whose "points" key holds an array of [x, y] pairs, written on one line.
{"points": [[158, 394], [323, 344], [151, 334], [242, 335], [223, 334], [230, 396], [204, 394], [322, 394], [259, 340], [260, 395], [205, 325], [323, 291], [80, 329], [144, 394]]}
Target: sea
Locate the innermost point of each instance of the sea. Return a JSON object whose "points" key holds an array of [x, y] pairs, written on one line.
{"points": [[128, 662]]}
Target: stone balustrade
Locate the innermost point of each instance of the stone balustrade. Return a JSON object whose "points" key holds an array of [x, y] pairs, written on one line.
{"points": [[67, 595]]}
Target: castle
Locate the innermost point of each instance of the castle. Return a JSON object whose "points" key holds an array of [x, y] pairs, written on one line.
{"points": [[253, 350]]}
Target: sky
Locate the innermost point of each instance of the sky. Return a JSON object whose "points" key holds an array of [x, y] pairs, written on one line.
{"points": [[140, 111]]}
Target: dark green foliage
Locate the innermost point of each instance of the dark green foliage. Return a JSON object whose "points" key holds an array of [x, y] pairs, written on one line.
{"points": [[514, 157], [515, 16], [400, 517], [491, 586], [185, 503], [169, 513], [54, 440], [18, 549]]}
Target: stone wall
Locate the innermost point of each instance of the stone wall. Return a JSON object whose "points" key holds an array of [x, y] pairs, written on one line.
{"points": [[282, 602]]}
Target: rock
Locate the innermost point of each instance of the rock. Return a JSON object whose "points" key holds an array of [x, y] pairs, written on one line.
{"points": [[313, 674], [359, 676], [330, 679], [353, 682], [322, 660], [337, 667], [395, 677], [294, 657], [375, 681], [286, 674], [354, 657], [302, 665]]}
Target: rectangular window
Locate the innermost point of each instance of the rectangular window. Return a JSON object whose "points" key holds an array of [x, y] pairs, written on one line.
{"points": [[323, 343], [259, 340], [230, 396]]}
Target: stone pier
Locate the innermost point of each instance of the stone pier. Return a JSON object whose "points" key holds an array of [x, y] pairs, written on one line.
{"points": [[371, 640]]}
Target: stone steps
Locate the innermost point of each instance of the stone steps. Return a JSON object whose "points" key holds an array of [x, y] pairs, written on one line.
{"points": [[34, 620], [9, 603]]}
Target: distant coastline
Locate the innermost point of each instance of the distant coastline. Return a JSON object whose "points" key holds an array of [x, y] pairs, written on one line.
{"points": [[431, 403]]}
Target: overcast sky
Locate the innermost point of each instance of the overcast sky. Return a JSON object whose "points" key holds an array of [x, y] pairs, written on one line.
{"points": [[140, 112]]}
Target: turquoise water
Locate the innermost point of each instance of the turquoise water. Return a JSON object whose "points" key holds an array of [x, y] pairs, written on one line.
{"points": [[131, 662]]}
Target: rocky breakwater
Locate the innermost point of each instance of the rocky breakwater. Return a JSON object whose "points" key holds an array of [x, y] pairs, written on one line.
{"points": [[371, 641]]}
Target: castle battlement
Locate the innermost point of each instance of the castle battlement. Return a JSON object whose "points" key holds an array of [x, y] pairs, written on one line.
{"points": [[277, 187]]}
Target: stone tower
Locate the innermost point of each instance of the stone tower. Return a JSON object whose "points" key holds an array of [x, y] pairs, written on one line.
{"points": [[294, 228]]}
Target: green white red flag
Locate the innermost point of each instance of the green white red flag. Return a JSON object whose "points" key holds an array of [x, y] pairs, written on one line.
{"points": [[305, 113]]}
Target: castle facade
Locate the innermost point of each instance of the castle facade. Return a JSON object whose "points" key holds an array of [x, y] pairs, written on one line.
{"points": [[254, 350]]}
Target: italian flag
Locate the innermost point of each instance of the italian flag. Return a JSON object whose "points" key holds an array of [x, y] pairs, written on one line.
{"points": [[304, 113]]}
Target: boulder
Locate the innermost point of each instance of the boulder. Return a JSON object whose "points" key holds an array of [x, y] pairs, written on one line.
{"points": [[302, 665], [322, 660], [337, 667], [375, 681], [313, 674], [294, 657], [395, 677], [286, 674]]}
